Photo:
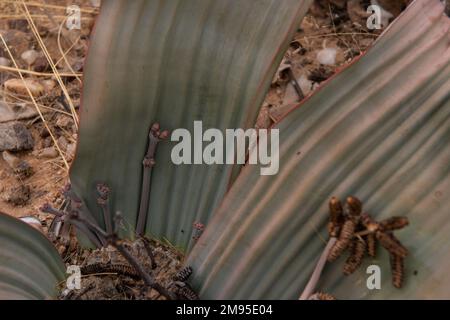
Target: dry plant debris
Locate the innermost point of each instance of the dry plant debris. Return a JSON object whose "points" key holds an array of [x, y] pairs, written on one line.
{"points": [[360, 233], [131, 264], [106, 274]]}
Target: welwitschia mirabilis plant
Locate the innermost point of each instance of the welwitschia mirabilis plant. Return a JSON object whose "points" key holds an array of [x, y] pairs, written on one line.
{"points": [[30, 267], [175, 62], [379, 130]]}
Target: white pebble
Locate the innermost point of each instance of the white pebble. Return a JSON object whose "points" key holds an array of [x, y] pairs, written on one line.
{"points": [[306, 85], [30, 56], [327, 56]]}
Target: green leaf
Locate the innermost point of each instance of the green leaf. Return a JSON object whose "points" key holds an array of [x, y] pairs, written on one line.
{"points": [[173, 62], [379, 130], [30, 266]]}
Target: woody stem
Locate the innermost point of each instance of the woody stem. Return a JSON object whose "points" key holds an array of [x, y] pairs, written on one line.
{"points": [[148, 164], [155, 136]]}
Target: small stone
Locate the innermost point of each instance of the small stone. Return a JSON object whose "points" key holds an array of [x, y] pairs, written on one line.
{"points": [[20, 167], [48, 153], [17, 86], [49, 84], [30, 56], [327, 56], [14, 111], [43, 132], [15, 137], [41, 64], [62, 143], [63, 122], [18, 196], [70, 151], [46, 143], [5, 62], [10, 159]]}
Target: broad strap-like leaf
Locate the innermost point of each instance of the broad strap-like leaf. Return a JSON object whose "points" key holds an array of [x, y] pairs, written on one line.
{"points": [[175, 62], [379, 130], [30, 266]]}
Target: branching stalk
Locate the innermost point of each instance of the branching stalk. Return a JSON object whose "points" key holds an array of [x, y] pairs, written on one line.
{"points": [[78, 223], [101, 238], [155, 136]]}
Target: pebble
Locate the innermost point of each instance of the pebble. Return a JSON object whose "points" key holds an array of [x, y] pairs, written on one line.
{"points": [[19, 195], [306, 85], [41, 64], [11, 159], [70, 151], [19, 87], [19, 166], [30, 56], [48, 153], [15, 137], [48, 84], [63, 122], [46, 142], [327, 56], [62, 143], [5, 62]]}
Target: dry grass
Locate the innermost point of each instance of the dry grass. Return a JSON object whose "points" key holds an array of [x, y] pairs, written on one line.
{"points": [[21, 10], [41, 25]]}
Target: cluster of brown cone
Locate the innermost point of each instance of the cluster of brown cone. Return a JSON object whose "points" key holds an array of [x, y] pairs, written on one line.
{"points": [[360, 233]]}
